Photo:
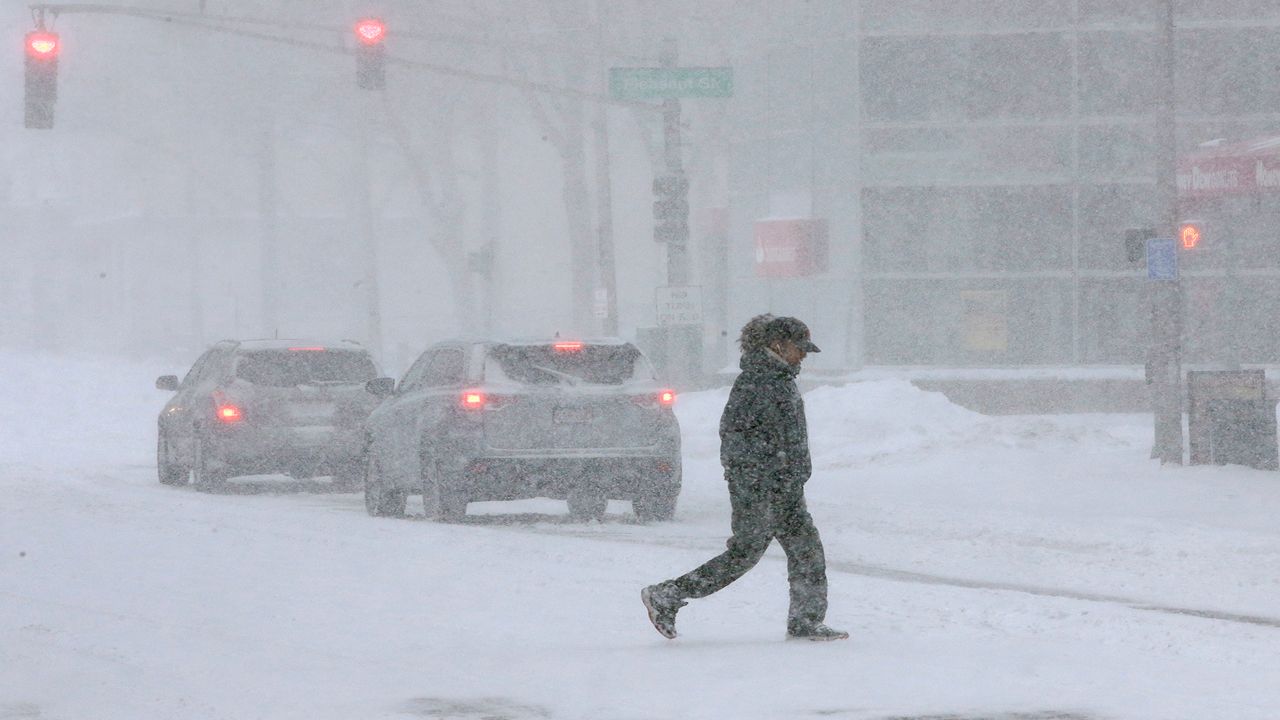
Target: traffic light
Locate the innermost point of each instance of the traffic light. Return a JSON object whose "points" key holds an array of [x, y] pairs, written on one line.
{"points": [[671, 209], [42, 48], [1190, 232], [371, 64]]}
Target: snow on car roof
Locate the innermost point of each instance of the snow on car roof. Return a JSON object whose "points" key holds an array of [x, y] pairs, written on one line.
{"points": [[287, 343]]}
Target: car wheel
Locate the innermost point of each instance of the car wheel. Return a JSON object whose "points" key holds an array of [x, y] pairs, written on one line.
{"points": [[380, 500], [171, 473], [205, 474], [658, 506], [440, 497], [587, 503]]}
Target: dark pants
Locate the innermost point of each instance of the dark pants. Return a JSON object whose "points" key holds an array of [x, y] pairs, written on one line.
{"points": [[764, 509]]}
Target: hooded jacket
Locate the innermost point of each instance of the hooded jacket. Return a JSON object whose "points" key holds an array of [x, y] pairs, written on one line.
{"points": [[763, 426]]}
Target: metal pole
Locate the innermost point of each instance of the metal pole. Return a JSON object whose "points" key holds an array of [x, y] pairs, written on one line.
{"points": [[604, 202], [1166, 310], [269, 270], [677, 247]]}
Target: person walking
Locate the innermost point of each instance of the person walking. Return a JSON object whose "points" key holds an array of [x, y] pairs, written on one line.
{"points": [[764, 448]]}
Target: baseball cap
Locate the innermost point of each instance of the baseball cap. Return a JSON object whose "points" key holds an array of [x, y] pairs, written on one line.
{"points": [[789, 328]]}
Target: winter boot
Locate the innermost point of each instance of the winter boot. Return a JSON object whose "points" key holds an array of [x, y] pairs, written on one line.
{"points": [[815, 632], [662, 606]]}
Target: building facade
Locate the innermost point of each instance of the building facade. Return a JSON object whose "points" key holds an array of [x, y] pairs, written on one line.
{"points": [[991, 160]]}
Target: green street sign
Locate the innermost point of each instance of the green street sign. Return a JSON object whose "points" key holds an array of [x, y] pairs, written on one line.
{"points": [[662, 83]]}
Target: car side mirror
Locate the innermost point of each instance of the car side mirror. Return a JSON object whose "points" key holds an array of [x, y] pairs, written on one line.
{"points": [[167, 382], [381, 387]]}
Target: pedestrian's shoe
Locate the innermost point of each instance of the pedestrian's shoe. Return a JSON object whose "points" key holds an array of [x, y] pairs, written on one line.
{"points": [[662, 607], [816, 632]]}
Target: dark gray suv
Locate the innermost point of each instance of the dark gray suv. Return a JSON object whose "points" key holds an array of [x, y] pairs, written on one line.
{"points": [[267, 406], [485, 420]]}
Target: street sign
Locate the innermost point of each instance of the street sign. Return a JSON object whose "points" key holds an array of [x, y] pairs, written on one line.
{"points": [[662, 83], [1162, 259], [678, 305]]}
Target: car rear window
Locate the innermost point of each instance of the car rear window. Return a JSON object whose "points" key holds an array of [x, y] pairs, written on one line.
{"points": [[287, 368], [546, 365]]}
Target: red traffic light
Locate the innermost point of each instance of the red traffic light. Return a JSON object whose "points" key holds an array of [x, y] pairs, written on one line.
{"points": [[371, 31], [42, 45], [1189, 235]]}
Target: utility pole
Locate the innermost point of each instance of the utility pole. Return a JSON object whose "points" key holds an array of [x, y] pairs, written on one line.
{"points": [[1165, 362], [269, 270], [605, 261]]}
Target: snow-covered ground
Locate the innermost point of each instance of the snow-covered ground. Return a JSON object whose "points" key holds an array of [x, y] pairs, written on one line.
{"points": [[1012, 567]]}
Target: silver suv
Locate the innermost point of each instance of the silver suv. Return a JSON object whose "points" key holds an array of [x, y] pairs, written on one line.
{"points": [[485, 420], [267, 406]]}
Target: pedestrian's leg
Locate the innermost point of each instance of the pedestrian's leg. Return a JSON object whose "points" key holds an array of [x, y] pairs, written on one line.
{"points": [[806, 562], [751, 536]]}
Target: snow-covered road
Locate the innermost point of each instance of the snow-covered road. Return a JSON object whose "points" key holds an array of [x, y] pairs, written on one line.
{"points": [[986, 568]]}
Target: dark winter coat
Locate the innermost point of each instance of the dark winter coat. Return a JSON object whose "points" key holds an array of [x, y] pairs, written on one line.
{"points": [[763, 427]]}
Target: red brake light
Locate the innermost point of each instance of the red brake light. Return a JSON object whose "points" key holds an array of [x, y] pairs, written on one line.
{"points": [[42, 45], [306, 349], [663, 398], [568, 346], [473, 400], [371, 31], [225, 410]]}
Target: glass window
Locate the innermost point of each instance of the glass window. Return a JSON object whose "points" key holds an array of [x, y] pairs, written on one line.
{"points": [[1226, 72], [1119, 73], [1123, 11], [412, 379], [1025, 76], [917, 78], [548, 365], [289, 368], [446, 368], [923, 322], [1118, 152]]}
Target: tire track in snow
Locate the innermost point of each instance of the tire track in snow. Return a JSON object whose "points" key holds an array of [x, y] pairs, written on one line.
{"points": [[885, 573]]}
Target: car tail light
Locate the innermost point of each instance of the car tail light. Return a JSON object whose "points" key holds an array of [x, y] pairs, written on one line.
{"points": [[473, 399], [306, 349], [225, 410], [568, 346], [662, 398]]}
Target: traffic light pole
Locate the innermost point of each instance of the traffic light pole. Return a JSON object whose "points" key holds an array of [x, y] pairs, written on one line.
{"points": [[1165, 360]]}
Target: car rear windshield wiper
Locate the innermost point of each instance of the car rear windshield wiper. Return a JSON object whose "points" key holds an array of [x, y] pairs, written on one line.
{"points": [[572, 379]]}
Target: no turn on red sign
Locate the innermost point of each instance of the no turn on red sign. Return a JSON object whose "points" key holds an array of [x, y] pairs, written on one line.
{"points": [[678, 305]]}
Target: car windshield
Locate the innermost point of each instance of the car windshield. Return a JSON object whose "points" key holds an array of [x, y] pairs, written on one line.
{"points": [[287, 368], [588, 364]]}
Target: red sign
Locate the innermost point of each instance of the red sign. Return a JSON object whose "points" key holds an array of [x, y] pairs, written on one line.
{"points": [[790, 247], [1239, 168]]}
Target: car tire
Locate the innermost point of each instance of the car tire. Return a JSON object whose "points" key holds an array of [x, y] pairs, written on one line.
{"points": [[441, 497], [205, 476], [170, 472], [587, 503], [380, 500], [655, 507]]}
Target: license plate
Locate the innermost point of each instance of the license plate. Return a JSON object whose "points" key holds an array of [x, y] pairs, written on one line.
{"points": [[573, 415], [311, 410]]}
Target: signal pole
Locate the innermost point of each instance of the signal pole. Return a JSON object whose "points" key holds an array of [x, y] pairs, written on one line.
{"points": [[1165, 361]]}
